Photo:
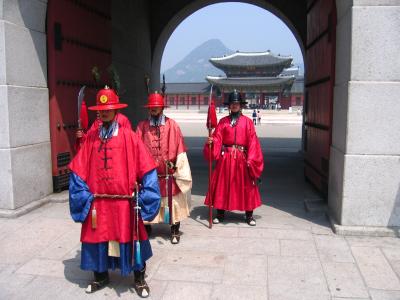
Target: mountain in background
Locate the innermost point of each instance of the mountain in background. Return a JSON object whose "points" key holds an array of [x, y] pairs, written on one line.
{"points": [[195, 66]]}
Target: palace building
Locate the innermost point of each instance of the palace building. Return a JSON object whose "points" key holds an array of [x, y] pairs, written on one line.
{"points": [[257, 74], [266, 80]]}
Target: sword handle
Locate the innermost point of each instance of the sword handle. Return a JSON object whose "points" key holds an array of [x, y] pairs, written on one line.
{"points": [[168, 189]]}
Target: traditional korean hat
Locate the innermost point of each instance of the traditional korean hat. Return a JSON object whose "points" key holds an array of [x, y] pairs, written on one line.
{"points": [[107, 99], [235, 97], [155, 100]]}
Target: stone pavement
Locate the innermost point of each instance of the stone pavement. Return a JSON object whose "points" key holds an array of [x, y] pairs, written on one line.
{"points": [[291, 253]]}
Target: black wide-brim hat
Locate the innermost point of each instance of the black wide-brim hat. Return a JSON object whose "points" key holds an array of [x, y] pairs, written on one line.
{"points": [[235, 97]]}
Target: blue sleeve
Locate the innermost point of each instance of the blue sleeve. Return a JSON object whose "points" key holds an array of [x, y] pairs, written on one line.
{"points": [[80, 198], [149, 196]]}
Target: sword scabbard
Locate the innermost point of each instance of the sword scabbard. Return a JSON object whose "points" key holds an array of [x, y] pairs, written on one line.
{"points": [[170, 201]]}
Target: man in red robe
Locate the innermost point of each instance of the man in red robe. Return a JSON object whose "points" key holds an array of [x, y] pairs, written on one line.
{"points": [[164, 140], [105, 173], [240, 162]]}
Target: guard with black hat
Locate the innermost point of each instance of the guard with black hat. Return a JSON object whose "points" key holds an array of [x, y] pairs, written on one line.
{"points": [[239, 163]]}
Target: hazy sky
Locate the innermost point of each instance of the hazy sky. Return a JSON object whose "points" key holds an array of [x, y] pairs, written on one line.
{"points": [[239, 26]]}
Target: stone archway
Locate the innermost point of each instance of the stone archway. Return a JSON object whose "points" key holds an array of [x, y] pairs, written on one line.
{"points": [[318, 48]]}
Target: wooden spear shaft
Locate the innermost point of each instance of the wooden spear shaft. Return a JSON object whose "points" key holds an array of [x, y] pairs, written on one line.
{"points": [[210, 205]]}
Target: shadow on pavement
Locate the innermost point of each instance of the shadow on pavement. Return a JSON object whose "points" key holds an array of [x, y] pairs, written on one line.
{"points": [[74, 274], [283, 185]]}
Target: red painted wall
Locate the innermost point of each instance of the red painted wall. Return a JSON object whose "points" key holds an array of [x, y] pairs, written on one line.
{"points": [[78, 38], [177, 102], [202, 99]]}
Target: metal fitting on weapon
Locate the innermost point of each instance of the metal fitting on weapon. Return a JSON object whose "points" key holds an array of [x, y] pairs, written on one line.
{"points": [[170, 164]]}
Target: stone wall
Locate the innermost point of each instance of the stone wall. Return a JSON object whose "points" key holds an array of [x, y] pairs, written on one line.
{"points": [[364, 180], [24, 137]]}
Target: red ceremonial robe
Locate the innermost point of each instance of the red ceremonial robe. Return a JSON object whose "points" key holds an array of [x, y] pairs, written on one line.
{"points": [[234, 180], [112, 168], [163, 145]]}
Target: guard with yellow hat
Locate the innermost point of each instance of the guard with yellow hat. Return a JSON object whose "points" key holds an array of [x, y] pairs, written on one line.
{"points": [[113, 188]]}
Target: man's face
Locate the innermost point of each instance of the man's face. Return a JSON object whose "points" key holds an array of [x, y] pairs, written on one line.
{"points": [[107, 115], [155, 111], [234, 107]]}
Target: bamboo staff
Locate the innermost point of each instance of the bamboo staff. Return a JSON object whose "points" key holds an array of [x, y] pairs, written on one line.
{"points": [[211, 124]]}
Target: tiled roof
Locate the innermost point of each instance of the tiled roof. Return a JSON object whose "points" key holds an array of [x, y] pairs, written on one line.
{"points": [[204, 87], [250, 81], [298, 85], [251, 59], [291, 71]]}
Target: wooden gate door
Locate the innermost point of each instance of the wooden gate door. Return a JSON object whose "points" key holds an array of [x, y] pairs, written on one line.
{"points": [[320, 76], [78, 38]]}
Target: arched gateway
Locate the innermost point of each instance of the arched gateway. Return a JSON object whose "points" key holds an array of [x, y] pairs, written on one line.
{"points": [[351, 153]]}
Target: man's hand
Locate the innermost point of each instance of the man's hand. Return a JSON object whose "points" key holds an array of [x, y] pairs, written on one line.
{"points": [[79, 133], [209, 140]]}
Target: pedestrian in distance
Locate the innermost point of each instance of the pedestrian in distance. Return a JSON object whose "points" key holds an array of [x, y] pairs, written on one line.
{"points": [[259, 117], [254, 115]]}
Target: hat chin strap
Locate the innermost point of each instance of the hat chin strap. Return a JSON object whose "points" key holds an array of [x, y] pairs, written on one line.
{"points": [[156, 118], [107, 124]]}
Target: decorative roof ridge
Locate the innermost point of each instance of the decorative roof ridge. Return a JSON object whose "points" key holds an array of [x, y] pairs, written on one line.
{"points": [[251, 54], [197, 82], [292, 68], [251, 77], [285, 76]]}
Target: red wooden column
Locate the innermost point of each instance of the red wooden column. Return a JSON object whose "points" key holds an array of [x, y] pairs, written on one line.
{"points": [[279, 97]]}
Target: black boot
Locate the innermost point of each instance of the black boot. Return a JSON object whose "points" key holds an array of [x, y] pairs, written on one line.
{"points": [[148, 229], [220, 216], [175, 237], [100, 281], [141, 287], [249, 218]]}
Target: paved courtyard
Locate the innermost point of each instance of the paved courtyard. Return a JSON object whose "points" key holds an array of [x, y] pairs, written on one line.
{"points": [[291, 253]]}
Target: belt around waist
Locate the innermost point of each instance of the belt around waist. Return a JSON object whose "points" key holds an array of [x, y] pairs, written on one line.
{"points": [[102, 196], [238, 147]]}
